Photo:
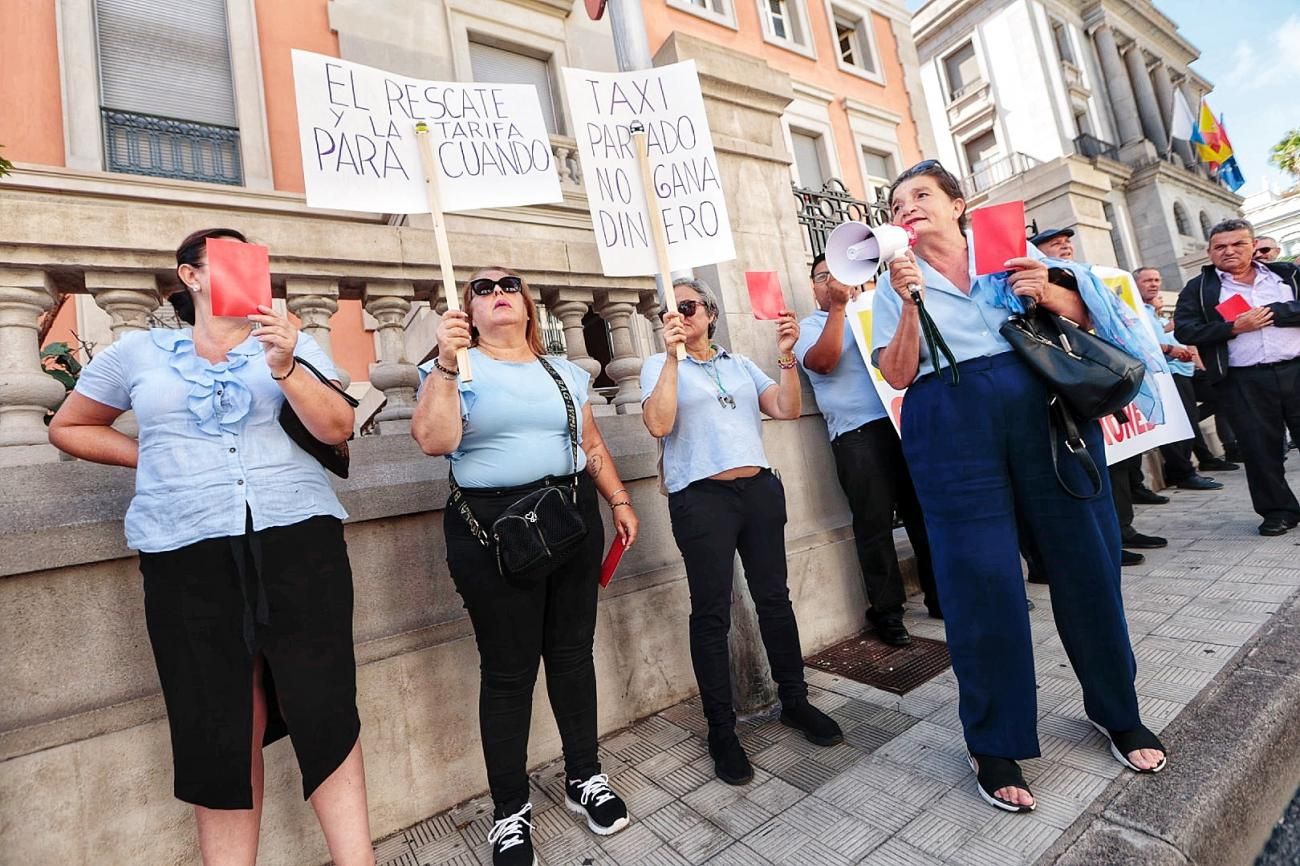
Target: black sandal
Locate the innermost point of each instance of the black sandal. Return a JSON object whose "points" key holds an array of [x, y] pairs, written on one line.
{"points": [[994, 773], [1123, 742]]}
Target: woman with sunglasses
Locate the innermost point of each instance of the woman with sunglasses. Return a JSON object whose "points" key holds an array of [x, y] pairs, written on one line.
{"points": [[977, 441], [247, 587], [507, 433], [724, 499]]}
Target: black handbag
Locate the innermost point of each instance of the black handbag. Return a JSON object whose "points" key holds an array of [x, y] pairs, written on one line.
{"points": [[335, 458], [542, 528]]}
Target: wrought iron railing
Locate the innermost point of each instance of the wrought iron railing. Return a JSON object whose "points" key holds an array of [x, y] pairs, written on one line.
{"points": [[1091, 146], [996, 171], [820, 211], [162, 147]]}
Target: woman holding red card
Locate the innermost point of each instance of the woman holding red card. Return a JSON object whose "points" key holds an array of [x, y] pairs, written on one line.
{"points": [[248, 591], [977, 439]]}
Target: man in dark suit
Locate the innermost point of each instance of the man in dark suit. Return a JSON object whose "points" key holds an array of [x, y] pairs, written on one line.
{"points": [[1253, 360]]}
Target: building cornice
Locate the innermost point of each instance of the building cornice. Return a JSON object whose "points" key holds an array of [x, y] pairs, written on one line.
{"points": [[871, 112]]}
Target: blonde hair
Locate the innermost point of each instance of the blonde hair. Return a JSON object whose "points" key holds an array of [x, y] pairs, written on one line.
{"points": [[532, 330]]}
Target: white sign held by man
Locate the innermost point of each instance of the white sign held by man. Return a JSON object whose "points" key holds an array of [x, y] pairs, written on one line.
{"points": [[356, 127], [687, 184]]}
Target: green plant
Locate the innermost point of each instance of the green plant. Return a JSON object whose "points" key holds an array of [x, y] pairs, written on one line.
{"points": [[1286, 153], [6, 166], [59, 360]]}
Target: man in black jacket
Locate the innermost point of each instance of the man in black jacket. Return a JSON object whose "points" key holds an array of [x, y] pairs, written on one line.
{"points": [[1253, 360]]}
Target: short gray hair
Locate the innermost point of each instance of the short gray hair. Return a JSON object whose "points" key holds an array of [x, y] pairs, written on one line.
{"points": [[1232, 224], [706, 294]]}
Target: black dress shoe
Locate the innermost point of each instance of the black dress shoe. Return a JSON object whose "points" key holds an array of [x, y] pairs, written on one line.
{"points": [[1139, 541], [1218, 464], [1128, 557], [1199, 482], [893, 632], [1232, 452], [1275, 526], [1146, 496]]}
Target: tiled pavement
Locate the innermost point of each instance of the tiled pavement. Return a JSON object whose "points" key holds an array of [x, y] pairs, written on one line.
{"points": [[898, 791]]}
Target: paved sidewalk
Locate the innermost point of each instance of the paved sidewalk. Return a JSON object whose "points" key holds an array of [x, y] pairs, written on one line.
{"points": [[898, 792]]}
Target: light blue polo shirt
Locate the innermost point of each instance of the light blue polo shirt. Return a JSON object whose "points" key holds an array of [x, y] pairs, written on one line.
{"points": [[708, 437], [1166, 338], [846, 395]]}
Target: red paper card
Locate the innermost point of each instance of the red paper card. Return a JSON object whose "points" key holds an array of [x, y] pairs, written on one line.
{"points": [[612, 559], [765, 294], [999, 235], [239, 275], [1233, 307]]}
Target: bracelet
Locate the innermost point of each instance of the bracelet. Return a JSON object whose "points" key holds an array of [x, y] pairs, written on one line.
{"points": [[292, 367], [785, 362], [617, 492], [446, 374], [627, 502]]}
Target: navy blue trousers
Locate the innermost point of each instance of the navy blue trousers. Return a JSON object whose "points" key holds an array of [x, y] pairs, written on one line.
{"points": [[980, 458]]}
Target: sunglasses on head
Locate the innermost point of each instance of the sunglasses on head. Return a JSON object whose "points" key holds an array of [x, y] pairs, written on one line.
{"points": [[686, 308], [486, 285], [920, 168]]}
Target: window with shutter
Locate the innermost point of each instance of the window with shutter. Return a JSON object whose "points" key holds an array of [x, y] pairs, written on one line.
{"points": [[167, 94], [809, 160], [963, 70], [879, 172], [502, 66]]}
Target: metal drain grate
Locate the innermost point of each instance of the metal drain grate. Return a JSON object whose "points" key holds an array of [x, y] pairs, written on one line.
{"points": [[866, 659]]}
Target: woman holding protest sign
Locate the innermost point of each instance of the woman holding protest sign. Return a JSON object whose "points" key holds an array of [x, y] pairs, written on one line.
{"points": [[524, 541], [248, 591], [724, 499], [977, 438]]}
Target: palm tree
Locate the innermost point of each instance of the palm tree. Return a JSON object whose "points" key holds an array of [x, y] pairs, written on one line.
{"points": [[1286, 153]]}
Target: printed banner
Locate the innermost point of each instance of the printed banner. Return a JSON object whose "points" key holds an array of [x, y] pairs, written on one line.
{"points": [[688, 188], [858, 314], [356, 129]]}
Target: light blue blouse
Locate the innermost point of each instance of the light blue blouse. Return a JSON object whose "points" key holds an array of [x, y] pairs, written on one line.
{"points": [[846, 395], [211, 444], [516, 429], [709, 437]]}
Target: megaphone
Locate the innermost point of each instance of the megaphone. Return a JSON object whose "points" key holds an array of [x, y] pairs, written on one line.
{"points": [[855, 250]]}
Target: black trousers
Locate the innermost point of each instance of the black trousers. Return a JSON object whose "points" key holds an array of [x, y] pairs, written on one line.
{"points": [[516, 625], [1263, 401], [712, 522], [1121, 490], [1178, 455], [1212, 401], [873, 474]]}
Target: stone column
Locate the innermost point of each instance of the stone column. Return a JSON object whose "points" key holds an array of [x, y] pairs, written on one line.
{"points": [[26, 391], [314, 301], [616, 307], [127, 296], [389, 301], [1148, 106], [649, 307], [569, 306], [1122, 103]]}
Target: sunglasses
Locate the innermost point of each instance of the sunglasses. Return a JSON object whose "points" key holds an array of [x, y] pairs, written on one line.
{"points": [[686, 308], [920, 168], [486, 286], [1267, 250]]}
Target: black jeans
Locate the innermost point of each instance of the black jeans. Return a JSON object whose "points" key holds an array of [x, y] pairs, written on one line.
{"points": [[1178, 455], [1121, 490], [1212, 406], [516, 625], [712, 521], [1263, 401], [873, 474]]}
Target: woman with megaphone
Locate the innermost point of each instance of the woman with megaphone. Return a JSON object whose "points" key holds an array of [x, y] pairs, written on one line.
{"points": [[724, 499], [982, 453]]}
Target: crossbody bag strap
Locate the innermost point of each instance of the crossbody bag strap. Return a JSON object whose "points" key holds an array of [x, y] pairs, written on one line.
{"points": [[934, 341], [1059, 420], [328, 382], [569, 409], [457, 500]]}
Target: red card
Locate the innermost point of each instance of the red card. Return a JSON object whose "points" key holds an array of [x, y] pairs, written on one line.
{"points": [[612, 559], [239, 275], [765, 294], [1233, 307], [999, 234]]}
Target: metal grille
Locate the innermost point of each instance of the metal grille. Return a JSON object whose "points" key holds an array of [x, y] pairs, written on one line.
{"points": [[866, 659], [162, 147], [820, 211]]}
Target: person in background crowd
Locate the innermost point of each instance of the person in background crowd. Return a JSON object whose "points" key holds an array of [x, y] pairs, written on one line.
{"points": [[980, 448], [868, 458], [1266, 249], [724, 499], [1253, 360], [247, 586], [507, 433]]}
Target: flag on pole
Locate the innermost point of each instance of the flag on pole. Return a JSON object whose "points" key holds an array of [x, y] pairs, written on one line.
{"points": [[1183, 122], [1230, 174], [1211, 141]]}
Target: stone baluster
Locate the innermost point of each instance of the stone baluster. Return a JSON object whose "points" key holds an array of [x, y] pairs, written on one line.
{"points": [[389, 301], [129, 297], [616, 307], [1148, 105], [314, 301], [561, 154], [649, 307], [26, 391], [1122, 102], [569, 306]]}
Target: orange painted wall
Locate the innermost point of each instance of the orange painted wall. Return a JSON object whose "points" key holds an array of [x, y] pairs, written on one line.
{"points": [[352, 345], [31, 105], [662, 20], [282, 26]]}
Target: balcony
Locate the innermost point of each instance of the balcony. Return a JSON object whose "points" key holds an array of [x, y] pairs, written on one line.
{"points": [[996, 171], [970, 106], [1074, 83], [1091, 147], [178, 149]]}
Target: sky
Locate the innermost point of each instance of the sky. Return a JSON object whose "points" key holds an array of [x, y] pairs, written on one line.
{"points": [[1250, 52]]}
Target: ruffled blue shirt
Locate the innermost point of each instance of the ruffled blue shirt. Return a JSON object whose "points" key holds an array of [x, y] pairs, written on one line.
{"points": [[211, 444]]}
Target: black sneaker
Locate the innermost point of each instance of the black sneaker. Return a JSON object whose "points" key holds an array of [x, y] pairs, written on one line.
{"points": [[605, 811], [1218, 464], [511, 837], [819, 728], [729, 759], [1146, 496], [1138, 541]]}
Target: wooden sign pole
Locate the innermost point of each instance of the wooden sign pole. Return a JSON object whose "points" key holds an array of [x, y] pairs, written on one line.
{"points": [[656, 220], [440, 238]]}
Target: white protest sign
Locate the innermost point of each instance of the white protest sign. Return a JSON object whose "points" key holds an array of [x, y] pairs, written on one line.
{"points": [[356, 128], [688, 188], [858, 313]]}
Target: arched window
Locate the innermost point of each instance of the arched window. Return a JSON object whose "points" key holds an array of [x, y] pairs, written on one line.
{"points": [[1205, 225], [1180, 220]]}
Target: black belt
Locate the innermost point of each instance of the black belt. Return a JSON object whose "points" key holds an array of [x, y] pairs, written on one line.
{"points": [[1267, 365]]}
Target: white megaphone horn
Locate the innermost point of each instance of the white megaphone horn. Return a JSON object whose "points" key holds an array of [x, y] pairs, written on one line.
{"points": [[855, 250]]}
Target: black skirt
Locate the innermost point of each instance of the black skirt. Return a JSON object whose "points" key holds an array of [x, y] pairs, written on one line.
{"points": [[212, 607]]}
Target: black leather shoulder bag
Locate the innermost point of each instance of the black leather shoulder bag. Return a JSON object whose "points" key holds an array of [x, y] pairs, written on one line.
{"points": [[335, 458]]}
